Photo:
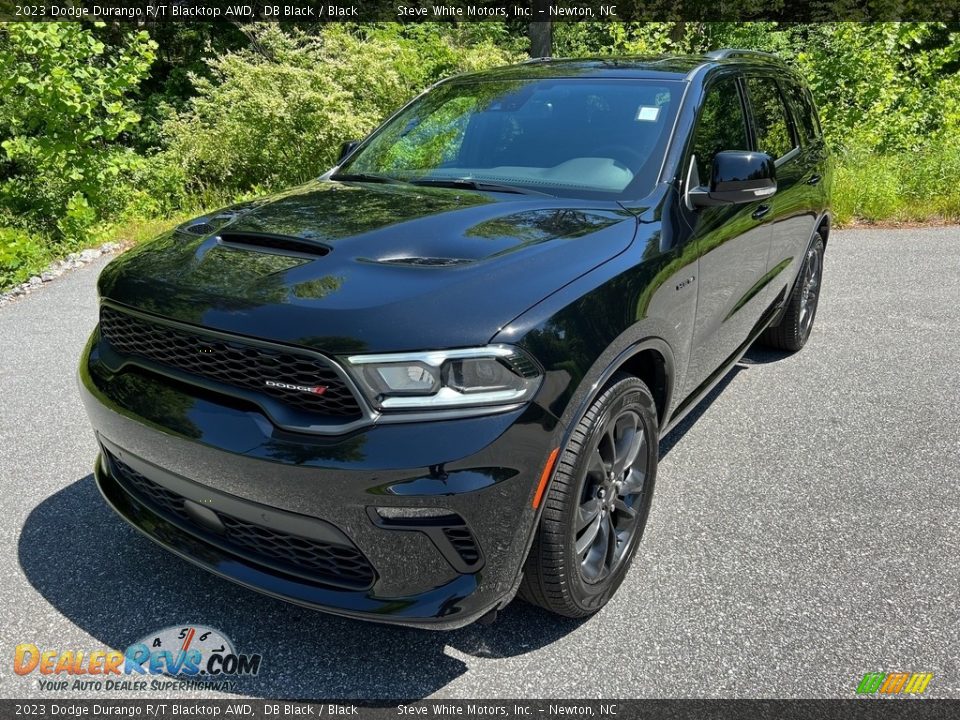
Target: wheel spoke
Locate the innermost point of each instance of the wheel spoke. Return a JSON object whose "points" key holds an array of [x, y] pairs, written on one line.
{"points": [[597, 466], [639, 443], [633, 483], [589, 535], [609, 544], [587, 512], [595, 553], [610, 441], [624, 437], [625, 510]]}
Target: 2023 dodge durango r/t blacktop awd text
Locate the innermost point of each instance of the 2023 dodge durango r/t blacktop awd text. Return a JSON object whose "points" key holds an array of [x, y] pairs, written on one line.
{"points": [[438, 375]]}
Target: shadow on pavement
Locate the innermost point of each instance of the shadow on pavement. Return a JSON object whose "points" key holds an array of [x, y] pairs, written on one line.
{"points": [[756, 355], [118, 586], [674, 436]]}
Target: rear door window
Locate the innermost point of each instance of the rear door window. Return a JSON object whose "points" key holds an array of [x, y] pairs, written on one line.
{"points": [[771, 122], [806, 116]]}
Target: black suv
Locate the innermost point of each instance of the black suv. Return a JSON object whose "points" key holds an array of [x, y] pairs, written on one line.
{"points": [[437, 376]]}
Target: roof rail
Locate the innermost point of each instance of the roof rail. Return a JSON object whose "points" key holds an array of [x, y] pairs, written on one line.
{"points": [[737, 52]]}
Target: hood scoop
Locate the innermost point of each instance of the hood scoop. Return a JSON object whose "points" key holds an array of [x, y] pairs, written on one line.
{"points": [[290, 246]]}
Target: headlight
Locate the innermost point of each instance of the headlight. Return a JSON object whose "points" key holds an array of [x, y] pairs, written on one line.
{"points": [[492, 375]]}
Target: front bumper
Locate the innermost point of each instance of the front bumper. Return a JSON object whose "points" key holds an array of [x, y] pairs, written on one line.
{"points": [[231, 460]]}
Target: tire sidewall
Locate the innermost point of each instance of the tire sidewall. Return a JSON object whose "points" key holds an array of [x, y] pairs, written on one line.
{"points": [[818, 248], [629, 393]]}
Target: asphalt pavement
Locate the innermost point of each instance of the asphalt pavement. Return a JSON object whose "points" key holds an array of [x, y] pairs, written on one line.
{"points": [[805, 528]]}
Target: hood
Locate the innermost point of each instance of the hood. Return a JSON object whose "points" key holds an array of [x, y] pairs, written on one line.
{"points": [[344, 267]]}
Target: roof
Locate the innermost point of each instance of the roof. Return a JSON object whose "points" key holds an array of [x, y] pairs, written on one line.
{"points": [[675, 67]]}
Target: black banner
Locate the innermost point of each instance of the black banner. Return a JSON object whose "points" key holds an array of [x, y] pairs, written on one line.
{"points": [[154, 11], [866, 709]]}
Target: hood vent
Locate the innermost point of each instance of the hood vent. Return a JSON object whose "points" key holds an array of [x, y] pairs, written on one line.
{"points": [[274, 244], [209, 224], [199, 228]]}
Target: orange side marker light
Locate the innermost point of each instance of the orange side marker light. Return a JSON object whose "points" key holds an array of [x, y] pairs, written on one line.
{"points": [[547, 469]]}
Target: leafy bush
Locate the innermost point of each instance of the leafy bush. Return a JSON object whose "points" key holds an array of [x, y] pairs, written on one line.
{"points": [[276, 113], [64, 107], [20, 256]]}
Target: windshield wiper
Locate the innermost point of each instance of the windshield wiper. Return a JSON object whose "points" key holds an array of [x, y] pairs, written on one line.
{"points": [[363, 177], [476, 185]]}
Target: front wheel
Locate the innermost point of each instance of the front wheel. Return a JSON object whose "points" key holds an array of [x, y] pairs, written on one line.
{"points": [[794, 329], [596, 508]]}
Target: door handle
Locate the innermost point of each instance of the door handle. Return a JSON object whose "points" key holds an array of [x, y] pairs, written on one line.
{"points": [[760, 212], [814, 179]]}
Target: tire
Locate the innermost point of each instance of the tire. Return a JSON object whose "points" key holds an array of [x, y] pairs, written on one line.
{"points": [[794, 329], [576, 583]]}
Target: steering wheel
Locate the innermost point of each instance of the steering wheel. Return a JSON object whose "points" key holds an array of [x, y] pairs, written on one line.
{"points": [[621, 154]]}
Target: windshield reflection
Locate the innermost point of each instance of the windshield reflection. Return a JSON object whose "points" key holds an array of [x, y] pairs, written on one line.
{"points": [[573, 137]]}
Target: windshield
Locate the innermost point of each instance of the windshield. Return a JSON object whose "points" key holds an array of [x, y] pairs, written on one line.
{"points": [[568, 137]]}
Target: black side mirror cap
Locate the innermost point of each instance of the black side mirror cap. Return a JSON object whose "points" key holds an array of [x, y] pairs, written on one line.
{"points": [[736, 176], [347, 148]]}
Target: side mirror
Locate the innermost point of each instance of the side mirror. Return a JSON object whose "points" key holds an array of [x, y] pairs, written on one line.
{"points": [[736, 176], [347, 148]]}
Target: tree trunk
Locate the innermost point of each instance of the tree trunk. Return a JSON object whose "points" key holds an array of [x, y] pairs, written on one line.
{"points": [[541, 35], [677, 32]]}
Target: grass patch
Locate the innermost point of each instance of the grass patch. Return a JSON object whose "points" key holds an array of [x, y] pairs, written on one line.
{"points": [[906, 187]]}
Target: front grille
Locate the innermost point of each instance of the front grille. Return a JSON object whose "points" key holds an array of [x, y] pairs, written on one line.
{"points": [[232, 362], [337, 564]]}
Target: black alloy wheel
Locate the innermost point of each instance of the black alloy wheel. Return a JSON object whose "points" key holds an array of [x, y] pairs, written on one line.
{"points": [[794, 329], [596, 508], [614, 486]]}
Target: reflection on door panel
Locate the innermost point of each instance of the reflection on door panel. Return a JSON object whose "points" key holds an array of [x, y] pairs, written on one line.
{"points": [[732, 244]]}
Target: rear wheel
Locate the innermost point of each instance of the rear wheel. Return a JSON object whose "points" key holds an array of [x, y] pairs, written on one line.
{"points": [[596, 508], [794, 329]]}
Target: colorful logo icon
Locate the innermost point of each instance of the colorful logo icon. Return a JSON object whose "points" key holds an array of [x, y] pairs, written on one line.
{"points": [[894, 683]]}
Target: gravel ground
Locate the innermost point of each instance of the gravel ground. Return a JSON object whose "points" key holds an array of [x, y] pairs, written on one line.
{"points": [[805, 528]]}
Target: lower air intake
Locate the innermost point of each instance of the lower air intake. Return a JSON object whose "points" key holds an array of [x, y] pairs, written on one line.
{"points": [[338, 565]]}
